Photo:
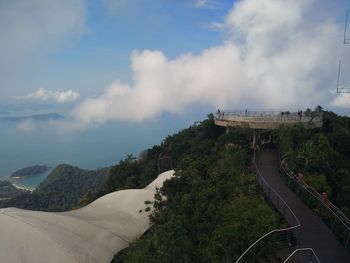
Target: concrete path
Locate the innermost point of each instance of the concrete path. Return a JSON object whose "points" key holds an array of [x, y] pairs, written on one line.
{"points": [[91, 234], [314, 233]]}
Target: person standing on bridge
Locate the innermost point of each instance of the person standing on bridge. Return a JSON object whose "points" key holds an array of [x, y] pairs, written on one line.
{"points": [[218, 113]]}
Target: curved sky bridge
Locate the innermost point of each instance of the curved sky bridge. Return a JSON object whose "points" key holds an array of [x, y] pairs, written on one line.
{"points": [[94, 233], [267, 120]]}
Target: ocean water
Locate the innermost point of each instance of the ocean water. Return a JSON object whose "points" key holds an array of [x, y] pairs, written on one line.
{"points": [[92, 148], [31, 182]]}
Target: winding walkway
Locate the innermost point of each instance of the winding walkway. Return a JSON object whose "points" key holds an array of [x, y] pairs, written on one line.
{"points": [[314, 233]]}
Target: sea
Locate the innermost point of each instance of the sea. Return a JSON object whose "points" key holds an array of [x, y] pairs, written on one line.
{"points": [[92, 148]]}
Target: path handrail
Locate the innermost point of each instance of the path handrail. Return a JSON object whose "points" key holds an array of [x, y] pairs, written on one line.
{"points": [[329, 205], [302, 249], [273, 231], [280, 115], [259, 173]]}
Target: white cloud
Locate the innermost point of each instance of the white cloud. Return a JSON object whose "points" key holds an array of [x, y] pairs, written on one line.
{"points": [[341, 101], [217, 26], [201, 3], [58, 96], [276, 56], [205, 3]]}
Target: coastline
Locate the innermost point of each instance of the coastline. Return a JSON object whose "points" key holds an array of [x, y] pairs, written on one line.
{"points": [[27, 183], [22, 187]]}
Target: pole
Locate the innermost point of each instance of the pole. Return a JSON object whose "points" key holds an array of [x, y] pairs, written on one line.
{"points": [[338, 76], [254, 139], [346, 25]]}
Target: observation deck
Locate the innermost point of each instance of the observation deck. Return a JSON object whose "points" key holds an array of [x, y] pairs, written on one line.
{"points": [[268, 120]]}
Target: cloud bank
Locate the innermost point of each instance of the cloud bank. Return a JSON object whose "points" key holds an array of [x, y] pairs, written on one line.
{"points": [[57, 96], [277, 54]]}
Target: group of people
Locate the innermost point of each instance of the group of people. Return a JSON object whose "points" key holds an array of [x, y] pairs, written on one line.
{"points": [[287, 114]]}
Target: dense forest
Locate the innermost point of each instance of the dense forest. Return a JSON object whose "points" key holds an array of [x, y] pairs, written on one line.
{"points": [[8, 191], [322, 156], [213, 209]]}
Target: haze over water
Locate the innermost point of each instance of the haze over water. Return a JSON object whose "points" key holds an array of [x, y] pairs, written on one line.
{"points": [[94, 148]]}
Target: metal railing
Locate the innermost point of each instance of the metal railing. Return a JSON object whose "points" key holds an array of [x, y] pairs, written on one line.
{"points": [[330, 214], [275, 116], [302, 255], [278, 238]]}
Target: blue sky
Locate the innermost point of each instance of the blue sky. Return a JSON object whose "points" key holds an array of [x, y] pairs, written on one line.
{"points": [[100, 59], [92, 59], [103, 52]]}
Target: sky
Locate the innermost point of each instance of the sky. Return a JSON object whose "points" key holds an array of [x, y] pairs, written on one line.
{"points": [[122, 60]]}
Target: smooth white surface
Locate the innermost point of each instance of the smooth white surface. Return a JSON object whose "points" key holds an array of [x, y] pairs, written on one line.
{"points": [[91, 234]]}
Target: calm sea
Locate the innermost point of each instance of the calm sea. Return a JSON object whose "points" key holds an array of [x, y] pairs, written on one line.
{"points": [[94, 148]]}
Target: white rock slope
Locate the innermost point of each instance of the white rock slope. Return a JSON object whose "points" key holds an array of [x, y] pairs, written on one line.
{"points": [[91, 234]]}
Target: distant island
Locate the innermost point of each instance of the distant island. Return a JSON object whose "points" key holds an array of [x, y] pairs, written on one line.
{"points": [[31, 170], [36, 117]]}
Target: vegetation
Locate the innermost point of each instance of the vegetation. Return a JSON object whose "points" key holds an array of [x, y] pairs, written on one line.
{"points": [[213, 209], [69, 187], [62, 190], [7, 190], [322, 155]]}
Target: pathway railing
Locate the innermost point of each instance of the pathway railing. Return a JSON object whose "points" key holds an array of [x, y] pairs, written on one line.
{"points": [[275, 116], [331, 215], [302, 255], [275, 239]]}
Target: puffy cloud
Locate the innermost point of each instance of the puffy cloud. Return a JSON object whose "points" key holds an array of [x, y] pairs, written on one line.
{"points": [[275, 56], [341, 101], [58, 96]]}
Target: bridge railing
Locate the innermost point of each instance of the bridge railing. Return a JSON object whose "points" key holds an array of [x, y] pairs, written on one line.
{"points": [[334, 218], [275, 239], [302, 255], [277, 116]]}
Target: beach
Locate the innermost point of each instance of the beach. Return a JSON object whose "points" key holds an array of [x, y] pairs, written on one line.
{"points": [[22, 187]]}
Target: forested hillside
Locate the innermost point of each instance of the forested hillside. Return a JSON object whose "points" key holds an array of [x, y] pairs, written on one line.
{"points": [[62, 190], [7, 190], [213, 209], [322, 156]]}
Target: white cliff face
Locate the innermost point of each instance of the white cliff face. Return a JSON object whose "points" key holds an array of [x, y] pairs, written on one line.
{"points": [[91, 234]]}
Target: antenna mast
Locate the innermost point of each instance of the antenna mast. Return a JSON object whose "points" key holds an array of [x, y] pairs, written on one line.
{"points": [[341, 89], [346, 39]]}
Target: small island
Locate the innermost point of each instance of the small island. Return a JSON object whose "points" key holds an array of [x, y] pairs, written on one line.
{"points": [[30, 171]]}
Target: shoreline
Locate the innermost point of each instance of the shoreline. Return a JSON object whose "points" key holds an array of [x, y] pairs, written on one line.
{"points": [[22, 187]]}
